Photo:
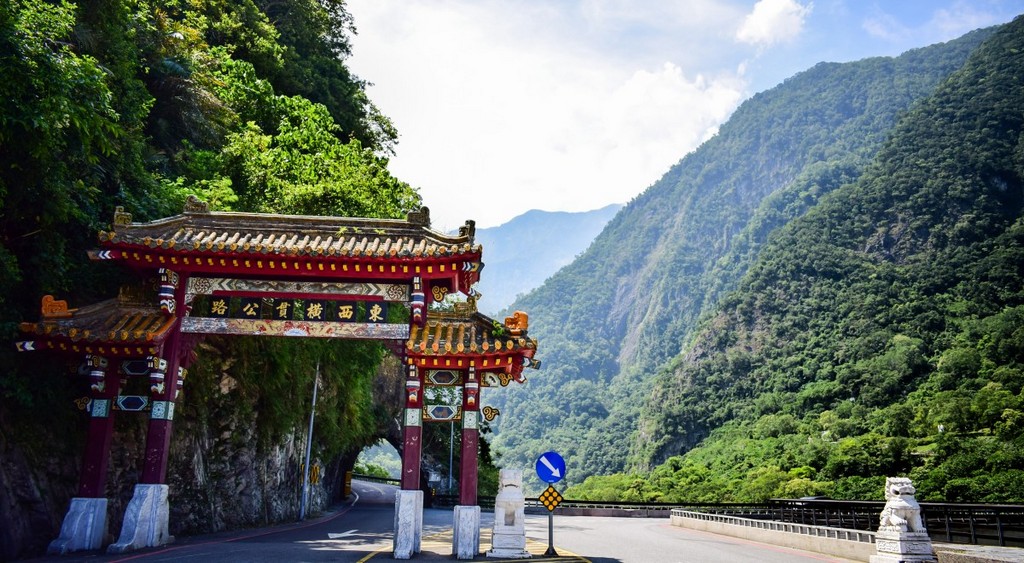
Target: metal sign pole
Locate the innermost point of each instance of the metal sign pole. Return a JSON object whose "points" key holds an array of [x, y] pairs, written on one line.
{"points": [[451, 447], [309, 449], [551, 535]]}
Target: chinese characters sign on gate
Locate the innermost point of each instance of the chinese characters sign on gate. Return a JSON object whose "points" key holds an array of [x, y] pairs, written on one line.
{"points": [[297, 309]]}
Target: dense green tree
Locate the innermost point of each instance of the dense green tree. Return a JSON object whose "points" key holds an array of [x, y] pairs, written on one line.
{"points": [[248, 105]]}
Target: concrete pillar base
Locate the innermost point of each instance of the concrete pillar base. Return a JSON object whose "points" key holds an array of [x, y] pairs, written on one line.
{"points": [[84, 527], [408, 524], [903, 547], [466, 532], [509, 542], [509, 554], [145, 520]]}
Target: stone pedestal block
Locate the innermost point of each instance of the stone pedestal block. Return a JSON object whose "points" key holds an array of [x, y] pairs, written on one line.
{"points": [[408, 524], [466, 533], [145, 520], [84, 527], [903, 547], [508, 541]]}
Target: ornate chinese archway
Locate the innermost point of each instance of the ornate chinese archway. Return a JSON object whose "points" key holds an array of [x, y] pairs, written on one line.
{"points": [[271, 275]]}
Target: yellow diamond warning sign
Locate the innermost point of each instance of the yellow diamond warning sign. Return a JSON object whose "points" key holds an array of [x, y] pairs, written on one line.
{"points": [[550, 498]]}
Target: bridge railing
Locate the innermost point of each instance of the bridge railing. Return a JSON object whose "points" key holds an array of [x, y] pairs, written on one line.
{"points": [[849, 534], [980, 523]]}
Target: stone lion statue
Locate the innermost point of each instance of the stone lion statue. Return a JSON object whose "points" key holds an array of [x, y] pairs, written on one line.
{"points": [[901, 512], [509, 504]]}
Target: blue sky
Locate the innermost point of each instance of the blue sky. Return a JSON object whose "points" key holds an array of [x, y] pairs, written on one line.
{"points": [[504, 106]]}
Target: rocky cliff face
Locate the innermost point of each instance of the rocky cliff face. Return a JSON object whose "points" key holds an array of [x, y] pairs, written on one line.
{"points": [[220, 477], [35, 485]]}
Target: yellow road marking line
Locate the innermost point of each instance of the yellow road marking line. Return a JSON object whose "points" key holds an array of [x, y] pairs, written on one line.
{"points": [[442, 541]]}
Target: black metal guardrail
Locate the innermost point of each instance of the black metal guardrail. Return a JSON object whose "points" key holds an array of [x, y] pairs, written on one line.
{"points": [[446, 500], [979, 523], [375, 479]]}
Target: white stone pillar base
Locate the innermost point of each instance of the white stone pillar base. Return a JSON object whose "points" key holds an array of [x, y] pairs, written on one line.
{"points": [[509, 542], [84, 527], [145, 520], [466, 532], [408, 524], [507, 552], [903, 547]]}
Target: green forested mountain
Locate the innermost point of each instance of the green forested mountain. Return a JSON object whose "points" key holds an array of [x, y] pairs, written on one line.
{"points": [[631, 304], [881, 333]]}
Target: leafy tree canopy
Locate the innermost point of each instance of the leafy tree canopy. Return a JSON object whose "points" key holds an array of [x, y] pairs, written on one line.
{"points": [[246, 104]]}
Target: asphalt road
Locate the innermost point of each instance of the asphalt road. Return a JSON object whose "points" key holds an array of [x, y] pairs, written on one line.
{"points": [[351, 532], [362, 531], [649, 540]]}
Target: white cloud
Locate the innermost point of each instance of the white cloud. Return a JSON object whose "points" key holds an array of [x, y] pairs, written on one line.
{"points": [[943, 24], [569, 105], [885, 26], [958, 19], [686, 14], [773, 21], [495, 121]]}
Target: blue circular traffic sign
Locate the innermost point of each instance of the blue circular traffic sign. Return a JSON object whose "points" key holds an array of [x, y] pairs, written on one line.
{"points": [[550, 467]]}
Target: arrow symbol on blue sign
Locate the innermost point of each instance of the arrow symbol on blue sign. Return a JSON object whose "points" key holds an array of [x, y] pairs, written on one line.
{"points": [[550, 467], [554, 470]]}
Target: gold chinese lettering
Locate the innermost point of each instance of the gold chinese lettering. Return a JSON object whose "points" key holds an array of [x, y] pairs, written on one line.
{"points": [[314, 311], [219, 307], [375, 312], [346, 312]]}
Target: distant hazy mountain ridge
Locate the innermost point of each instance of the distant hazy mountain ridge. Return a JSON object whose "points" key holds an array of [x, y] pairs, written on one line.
{"points": [[520, 254]]}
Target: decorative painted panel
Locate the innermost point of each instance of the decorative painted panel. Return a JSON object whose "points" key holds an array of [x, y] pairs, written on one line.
{"points": [[412, 417], [265, 327], [443, 377], [442, 403], [384, 291]]}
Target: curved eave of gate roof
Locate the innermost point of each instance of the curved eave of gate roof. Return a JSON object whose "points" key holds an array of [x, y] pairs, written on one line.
{"points": [[113, 327], [255, 234], [477, 340]]}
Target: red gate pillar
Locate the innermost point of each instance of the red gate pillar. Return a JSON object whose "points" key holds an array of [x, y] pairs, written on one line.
{"points": [[105, 385], [408, 536], [146, 517], [85, 524], [412, 433], [164, 378], [470, 439], [466, 526]]}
